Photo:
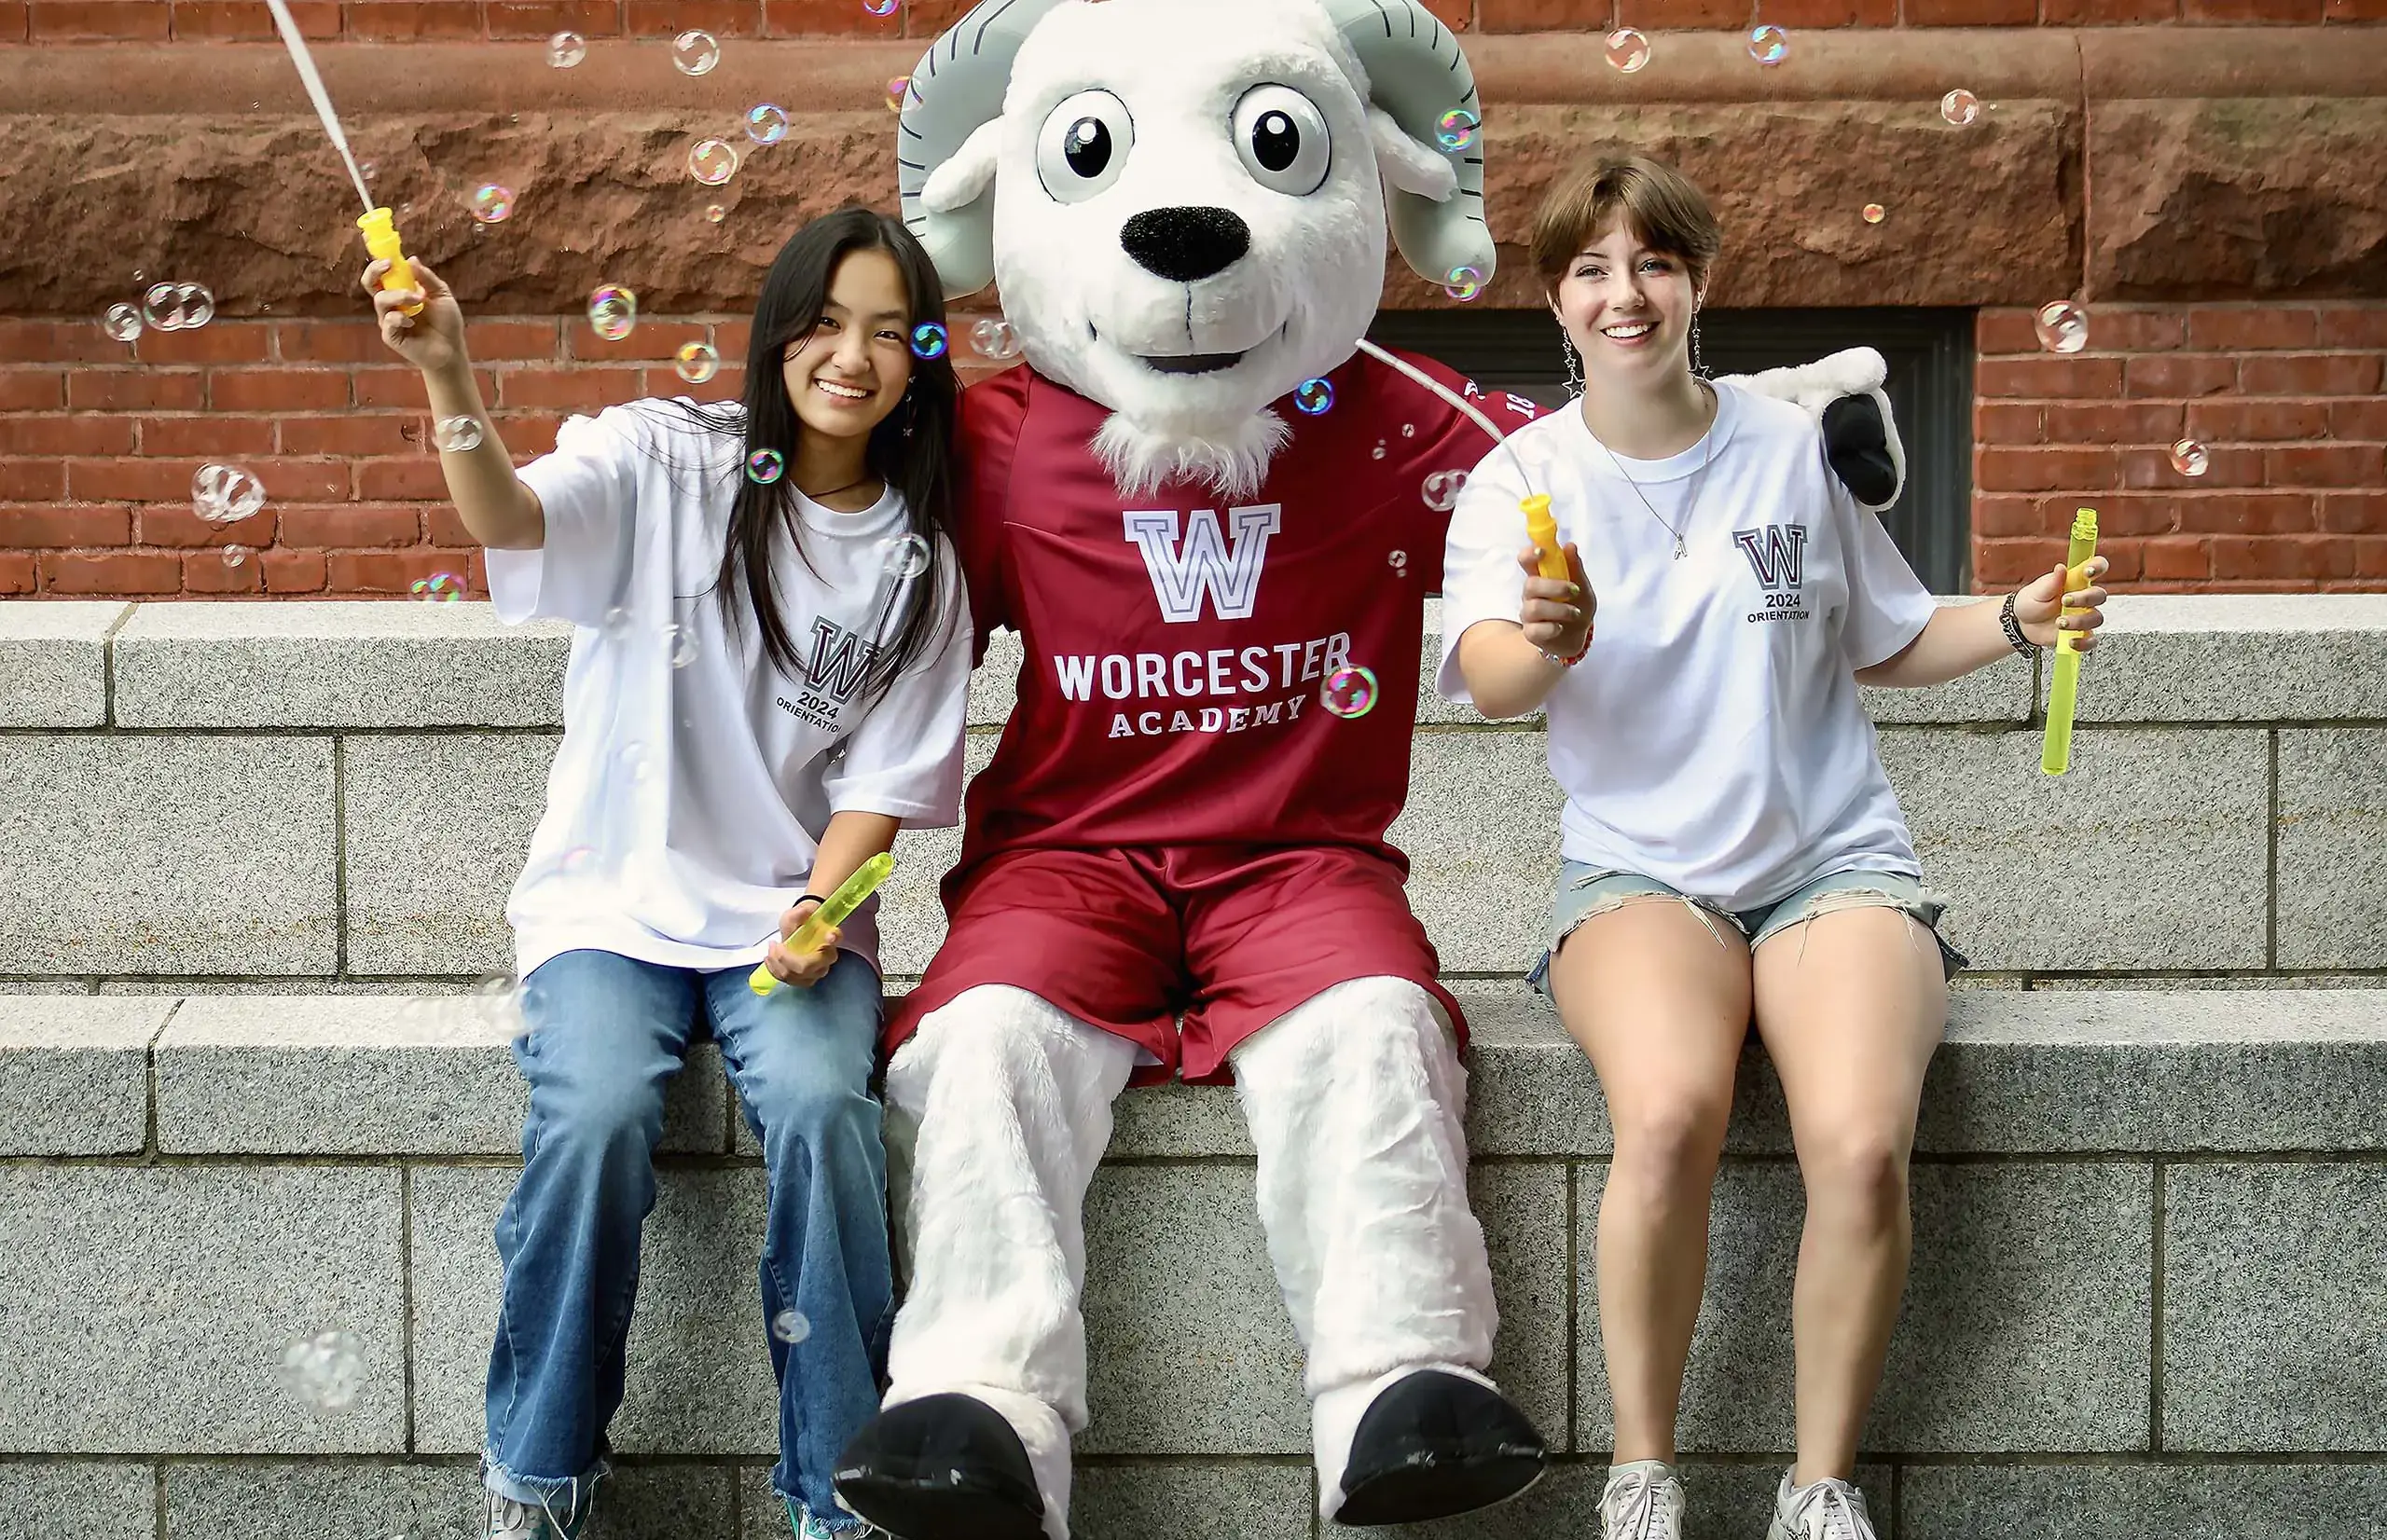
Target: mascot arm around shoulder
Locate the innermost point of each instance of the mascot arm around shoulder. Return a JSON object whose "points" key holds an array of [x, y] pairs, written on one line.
{"points": [[1186, 203]]}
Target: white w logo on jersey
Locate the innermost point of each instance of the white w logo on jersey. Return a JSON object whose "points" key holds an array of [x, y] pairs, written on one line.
{"points": [[1229, 569]]}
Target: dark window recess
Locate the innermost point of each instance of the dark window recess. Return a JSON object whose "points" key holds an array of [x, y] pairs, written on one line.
{"points": [[1930, 354]]}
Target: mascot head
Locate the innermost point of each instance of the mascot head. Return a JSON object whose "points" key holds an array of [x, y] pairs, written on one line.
{"points": [[1185, 200]]}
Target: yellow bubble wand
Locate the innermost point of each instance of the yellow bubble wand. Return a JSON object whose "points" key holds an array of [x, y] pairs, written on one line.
{"points": [[2055, 749], [379, 227], [830, 911]]}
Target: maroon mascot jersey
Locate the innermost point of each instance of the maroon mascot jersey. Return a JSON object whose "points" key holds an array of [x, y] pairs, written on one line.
{"points": [[1174, 823]]}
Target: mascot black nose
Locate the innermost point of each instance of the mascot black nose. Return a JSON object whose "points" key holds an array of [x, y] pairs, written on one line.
{"points": [[1184, 244]]}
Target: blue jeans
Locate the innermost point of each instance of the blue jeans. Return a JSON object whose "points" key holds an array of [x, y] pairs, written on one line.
{"points": [[605, 1034]]}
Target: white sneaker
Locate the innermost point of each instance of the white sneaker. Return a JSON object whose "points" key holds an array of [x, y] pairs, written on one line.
{"points": [[1828, 1509], [1642, 1500]]}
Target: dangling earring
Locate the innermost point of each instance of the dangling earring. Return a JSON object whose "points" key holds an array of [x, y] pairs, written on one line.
{"points": [[1574, 365], [1697, 365], [911, 411]]}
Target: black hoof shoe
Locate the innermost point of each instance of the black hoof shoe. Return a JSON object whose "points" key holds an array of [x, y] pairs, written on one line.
{"points": [[1434, 1445], [943, 1468]]}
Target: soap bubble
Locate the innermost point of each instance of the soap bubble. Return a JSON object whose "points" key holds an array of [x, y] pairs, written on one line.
{"points": [[493, 203], [1627, 50], [438, 588], [323, 1372], [225, 494], [995, 338], [698, 362], [178, 307], [616, 622], [635, 765], [1456, 128], [1314, 397], [712, 161], [236, 556], [928, 340], [1769, 45], [566, 49], [1379, 450], [1399, 560], [613, 311], [497, 999], [679, 645], [789, 1326], [1463, 283], [880, 8], [898, 86], [2062, 326], [764, 466], [695, 52], [767, 124], [904, 557], [715, 213], [457, 434], [122, 323], [1442, 489], [1959, 107], [2190, 459], [1350, 693], [1409, 430], [1875, 214]]}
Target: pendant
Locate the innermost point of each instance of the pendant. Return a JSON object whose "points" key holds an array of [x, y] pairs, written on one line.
{"points": [[1680, 550]]}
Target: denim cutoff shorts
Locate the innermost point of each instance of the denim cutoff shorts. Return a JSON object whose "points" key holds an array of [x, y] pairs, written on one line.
{"points": [[1585, 890]]}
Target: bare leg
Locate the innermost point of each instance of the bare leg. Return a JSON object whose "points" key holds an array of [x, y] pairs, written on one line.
{"points": [[1851, 1004], [1658, 994]]}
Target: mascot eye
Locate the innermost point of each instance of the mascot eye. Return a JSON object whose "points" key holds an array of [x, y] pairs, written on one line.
{"points": [[1083, 145], [1282, 138]]}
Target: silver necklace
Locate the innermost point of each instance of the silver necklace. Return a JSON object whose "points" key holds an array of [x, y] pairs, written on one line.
{"points": [[1697, 482]]}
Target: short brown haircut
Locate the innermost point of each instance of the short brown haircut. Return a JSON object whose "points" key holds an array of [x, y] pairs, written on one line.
{"points": [[1663, 208]]}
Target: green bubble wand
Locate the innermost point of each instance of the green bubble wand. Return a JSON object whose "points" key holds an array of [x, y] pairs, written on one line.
{"points": [[830, 913]]}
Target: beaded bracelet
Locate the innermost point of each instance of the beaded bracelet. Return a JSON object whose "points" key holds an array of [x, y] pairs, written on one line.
{"points": [[2023, 644]]}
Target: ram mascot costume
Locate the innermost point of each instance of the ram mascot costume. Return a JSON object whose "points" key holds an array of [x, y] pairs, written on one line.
{"points": [[1201, 507]]}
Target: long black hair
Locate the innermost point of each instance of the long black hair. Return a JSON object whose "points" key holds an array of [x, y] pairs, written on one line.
{"points": [[911, 450]]}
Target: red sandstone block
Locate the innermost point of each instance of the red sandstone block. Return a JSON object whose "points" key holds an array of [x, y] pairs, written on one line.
{"points": [[2250, 328], [403, 21], [114, 573], [1971, 13], [36, 529], [2246, 513], [12, 30], [586, 389], [277, 390], [350, 526], [122, 390], [184, 530], [208, 573], [2366, 418], [2240, 421], [2354, 326], [292, 572], [720, 18], [545, 18], [31, 480], [828, 18], [2181, 375], [196, 20], [2071, 470], [352, 434], [2179, 559], [32, 390], [17, 574], [2279, 556], [404, 388], [58, 342], [2042, 378], [66, 435], [206, 435], [221, 342], [2233, 12], [2106, 13], [2326, 466], [105, 20], [386, 572], [2113, 422], [2354, 513], [2310, 373], [416, 480], [2354, 10]]}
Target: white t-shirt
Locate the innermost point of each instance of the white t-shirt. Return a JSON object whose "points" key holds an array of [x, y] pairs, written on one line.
{"points": [[1712, 738], [686, 802]]}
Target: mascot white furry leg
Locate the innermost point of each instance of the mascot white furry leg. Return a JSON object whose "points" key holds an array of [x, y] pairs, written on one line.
{"points": [[1000, 1110]]}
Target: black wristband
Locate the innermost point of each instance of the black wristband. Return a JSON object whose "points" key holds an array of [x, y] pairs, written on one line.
{"points": [[2023, 644]]}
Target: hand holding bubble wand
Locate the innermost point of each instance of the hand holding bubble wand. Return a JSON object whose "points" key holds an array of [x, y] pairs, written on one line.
{"points": [[379, 227], [2055, 749], [830, 911]]}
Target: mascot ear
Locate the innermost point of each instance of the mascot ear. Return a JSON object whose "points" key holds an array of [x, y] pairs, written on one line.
{"points": [[1408, 166], [1843, 394], [956, 92], [1416, 74]]}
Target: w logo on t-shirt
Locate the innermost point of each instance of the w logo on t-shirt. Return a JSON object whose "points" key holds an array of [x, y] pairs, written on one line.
{"points": [[1777, 554], [1228, 567], [840, 660]]}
